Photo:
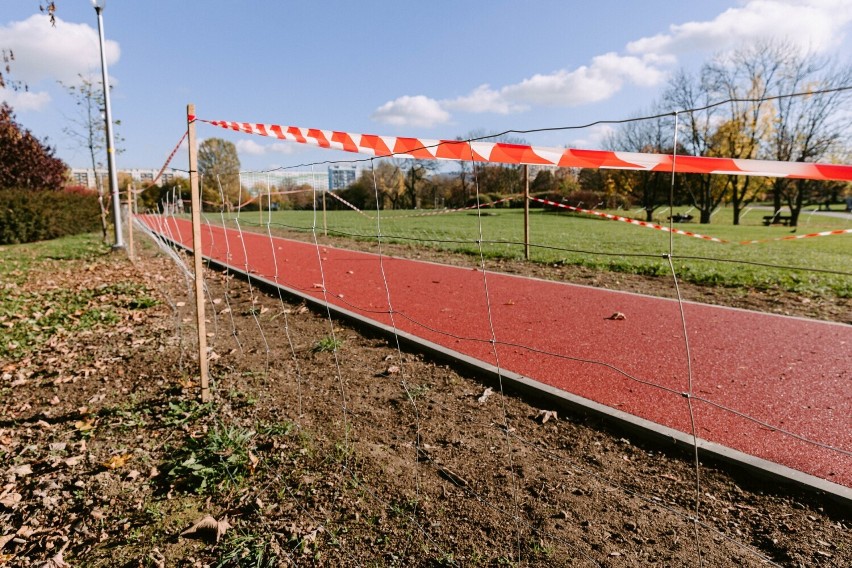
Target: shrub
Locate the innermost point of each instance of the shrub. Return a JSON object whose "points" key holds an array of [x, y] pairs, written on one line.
{"points": [[37, 215]]}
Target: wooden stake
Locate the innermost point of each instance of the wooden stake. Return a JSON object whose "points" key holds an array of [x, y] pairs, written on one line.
{"points": [[526, 212], [197, 253]]}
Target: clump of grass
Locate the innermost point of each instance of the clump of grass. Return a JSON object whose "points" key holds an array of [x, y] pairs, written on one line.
{"points": [[185, 411], [248, 550], [327, 344], [220, 459]]}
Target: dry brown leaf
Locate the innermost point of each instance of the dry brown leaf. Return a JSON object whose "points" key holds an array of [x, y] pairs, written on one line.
{"points": [[5, 539], [85, 425], [208, 529], [617, 316], [21, 470], [544, 415], [116, 462], [10, 500]]}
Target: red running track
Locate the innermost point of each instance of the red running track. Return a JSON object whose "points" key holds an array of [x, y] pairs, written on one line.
{"points": [[754, 374]]}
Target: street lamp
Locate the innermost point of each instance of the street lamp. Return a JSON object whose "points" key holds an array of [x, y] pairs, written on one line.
{"points": [[113, 174]]}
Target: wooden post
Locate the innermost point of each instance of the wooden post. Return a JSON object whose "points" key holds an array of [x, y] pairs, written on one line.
{"points": [[197, 253], [130, 221], [526, 212]]}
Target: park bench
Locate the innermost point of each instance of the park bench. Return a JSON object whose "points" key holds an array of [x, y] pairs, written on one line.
{"points": [[776, 220], [681, 218]]}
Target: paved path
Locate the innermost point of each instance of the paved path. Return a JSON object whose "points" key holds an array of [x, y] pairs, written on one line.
{"points": [[752, 373]]}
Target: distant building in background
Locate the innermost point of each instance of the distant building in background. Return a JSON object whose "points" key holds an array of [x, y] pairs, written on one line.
{"points": [[342, 176], [291, 179], [86, 177]]}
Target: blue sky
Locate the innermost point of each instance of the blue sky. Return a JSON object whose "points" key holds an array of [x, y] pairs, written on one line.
{"points": [[437, 69]]}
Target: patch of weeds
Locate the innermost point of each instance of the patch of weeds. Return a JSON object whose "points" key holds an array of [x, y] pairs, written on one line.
{"points": [[125, 417], [327, 344], [142, 303], [248, 550], [241, 399], [186, 411], [538, 548], [30, 319], [251, 311], [402, 508], [416, 392], [219, 459], [283, 428], [446, 559]]}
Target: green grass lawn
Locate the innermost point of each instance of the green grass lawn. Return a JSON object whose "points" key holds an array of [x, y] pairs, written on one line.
{"points": [[814, 266]]}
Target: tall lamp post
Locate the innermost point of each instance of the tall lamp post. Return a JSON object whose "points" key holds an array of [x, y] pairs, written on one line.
{"points": [[113, 174]]}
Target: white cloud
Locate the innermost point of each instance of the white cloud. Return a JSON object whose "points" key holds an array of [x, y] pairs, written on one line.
{"points": [[811, 24], [816, 25], [587, 84], [483, 99], [254, 149], [24, 100], [45, 53], [412, 111], [593, 137]]}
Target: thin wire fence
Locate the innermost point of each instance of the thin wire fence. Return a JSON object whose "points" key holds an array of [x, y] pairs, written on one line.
{"points": [[264, 256]]}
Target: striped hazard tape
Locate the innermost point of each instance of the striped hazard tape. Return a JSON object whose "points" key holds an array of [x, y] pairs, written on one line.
{"points": [[337, 197], [503, 153], [797, 237], [629, 220]]}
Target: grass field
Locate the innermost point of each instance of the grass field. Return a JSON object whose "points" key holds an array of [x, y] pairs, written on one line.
{"points": [[814, 266]]}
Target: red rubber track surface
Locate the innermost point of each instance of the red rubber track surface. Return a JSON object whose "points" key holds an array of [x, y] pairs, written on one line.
{"points": [[753, 374]]}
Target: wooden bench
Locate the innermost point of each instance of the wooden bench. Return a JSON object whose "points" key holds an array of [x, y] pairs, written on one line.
{"points": [[681, 218], [776, 220]]}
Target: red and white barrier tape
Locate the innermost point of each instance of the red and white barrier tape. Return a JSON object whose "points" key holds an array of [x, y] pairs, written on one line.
{"points": [[165, 165], [796, 237], [337, 197], [498, 152], [629, 220]]}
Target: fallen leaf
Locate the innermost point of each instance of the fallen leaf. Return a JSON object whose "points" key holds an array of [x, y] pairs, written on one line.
{"points": [[21, 470], [85, 425], [10, 500], [74, 460], [617, 316], [208, 529], [57, 561], [116, 462], [544, 415]]}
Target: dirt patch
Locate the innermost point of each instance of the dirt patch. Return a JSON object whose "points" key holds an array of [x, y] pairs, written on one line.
{"points": [[328, 446]]}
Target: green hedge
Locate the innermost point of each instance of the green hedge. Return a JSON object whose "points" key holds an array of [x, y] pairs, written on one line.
{"points": [[27, 215]]}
